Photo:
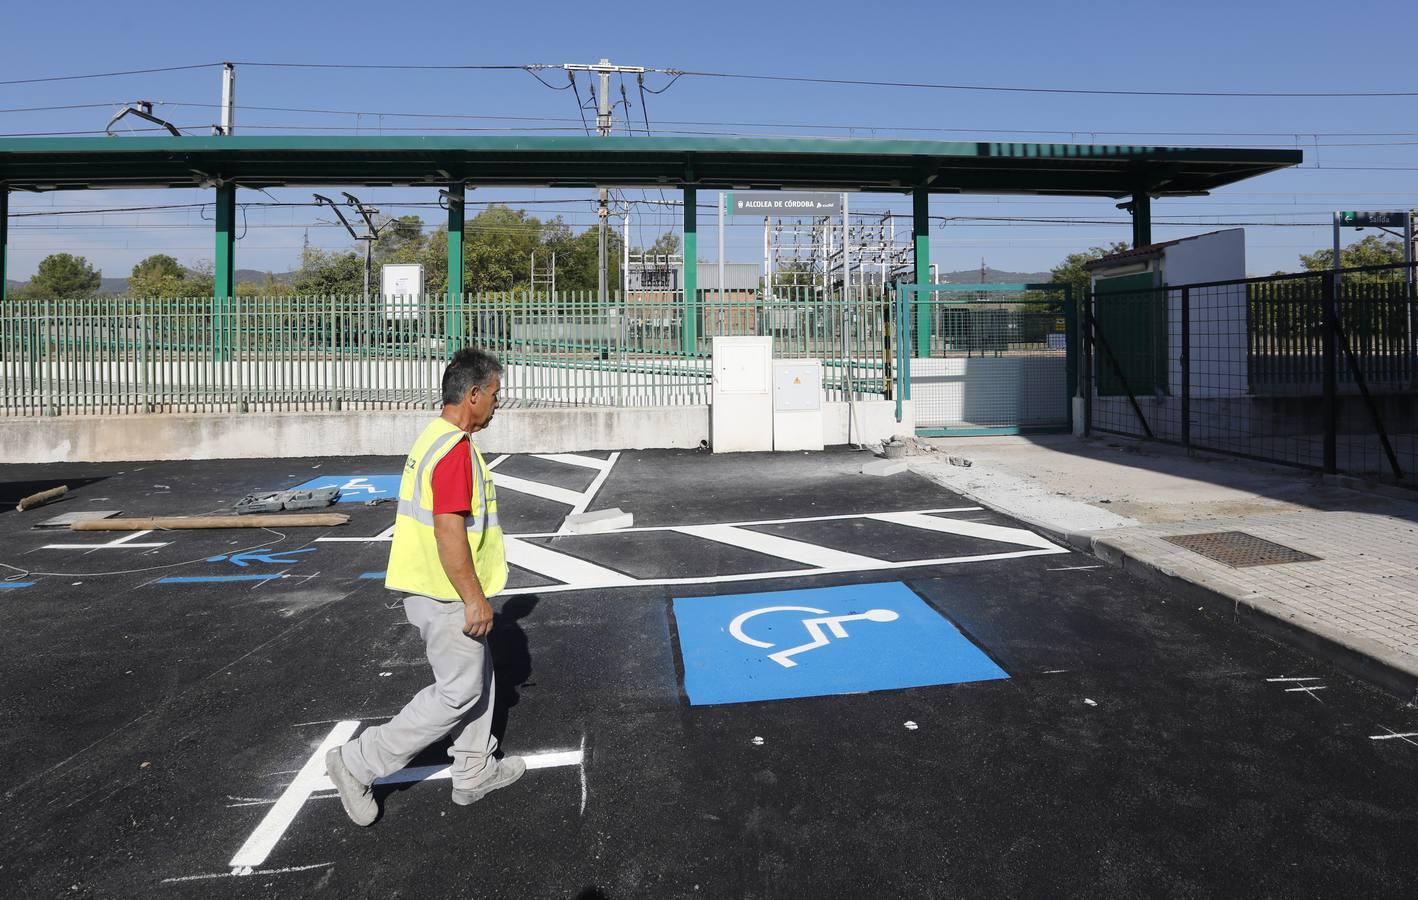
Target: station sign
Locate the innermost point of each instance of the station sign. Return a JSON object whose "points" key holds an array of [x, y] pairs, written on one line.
{"points": [[782, 203], [1365, 219]]}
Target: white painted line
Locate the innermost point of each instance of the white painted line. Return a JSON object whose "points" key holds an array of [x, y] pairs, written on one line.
{"points": [[122, 543], [537, 489], [966, 529], [832, 518], [1310, 678], [499, 461], [781, 547], [1307, 688], [263, 840], [595, 487], [416, 774], [312, 778], [583, 773], [563, 568], [1394, 734], [242, 873], [572, 459], [1073, 568], [388, 533], [880, 566], [385, 535]]}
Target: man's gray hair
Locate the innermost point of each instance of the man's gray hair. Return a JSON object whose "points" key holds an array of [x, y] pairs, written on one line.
{"points": [[469, 368]]}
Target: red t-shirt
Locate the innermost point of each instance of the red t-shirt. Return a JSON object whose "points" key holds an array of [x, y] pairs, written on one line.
{"points": [[453, 481]]}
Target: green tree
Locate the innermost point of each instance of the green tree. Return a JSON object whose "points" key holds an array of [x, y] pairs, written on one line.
{"points": [[159, 275], [400, 241], [323, 272], [63, 275], [578, 260], [497, 249], [1371, 251], [666, 244], [1071, 272]]}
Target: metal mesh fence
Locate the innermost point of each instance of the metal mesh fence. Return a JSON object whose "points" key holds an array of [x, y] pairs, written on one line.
{"points": [[1316, 370], [987, 357], [119, 355]]}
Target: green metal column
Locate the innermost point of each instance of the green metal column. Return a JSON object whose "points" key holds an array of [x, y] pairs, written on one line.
{"points": [[224, 271], [1141, 219], [689, 330], [921, 234], [456, 193], [4, 238]]}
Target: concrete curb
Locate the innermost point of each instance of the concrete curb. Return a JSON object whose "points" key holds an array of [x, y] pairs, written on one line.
{"points": [[1365, 659], [1362, 658]]}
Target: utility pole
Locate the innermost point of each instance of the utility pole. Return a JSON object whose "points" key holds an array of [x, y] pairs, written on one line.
{"points": [[228, 125], [604, 69]]}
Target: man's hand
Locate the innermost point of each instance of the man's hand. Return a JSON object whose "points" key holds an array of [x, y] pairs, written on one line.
{"points": [[477, 618], [457, 560]]}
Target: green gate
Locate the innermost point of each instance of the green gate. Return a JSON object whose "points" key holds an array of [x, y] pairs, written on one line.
{"points": [[985, 358]]}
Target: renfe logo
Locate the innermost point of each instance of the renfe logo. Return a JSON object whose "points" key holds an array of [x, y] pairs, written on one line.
{"points": [[821, 641]]}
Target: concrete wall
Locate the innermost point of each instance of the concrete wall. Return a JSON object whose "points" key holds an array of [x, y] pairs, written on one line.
{"points": [[389, 433], [875, 420], [254, 436]]}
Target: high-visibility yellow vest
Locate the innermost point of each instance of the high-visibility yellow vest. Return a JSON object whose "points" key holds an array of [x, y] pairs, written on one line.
{"points": [[414, 567]]}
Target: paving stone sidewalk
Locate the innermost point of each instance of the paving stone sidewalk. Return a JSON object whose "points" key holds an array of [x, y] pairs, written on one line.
{"points": [[1357, 604]]}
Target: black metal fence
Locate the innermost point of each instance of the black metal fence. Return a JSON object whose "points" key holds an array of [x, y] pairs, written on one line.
{"points": [[1318, 370]]}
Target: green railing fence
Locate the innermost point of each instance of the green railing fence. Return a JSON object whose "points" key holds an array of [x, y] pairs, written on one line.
{"points": [[114, 355]]}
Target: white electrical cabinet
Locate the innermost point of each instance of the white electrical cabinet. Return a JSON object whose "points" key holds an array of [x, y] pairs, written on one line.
{"points": [[742, 394], [797, 404]]}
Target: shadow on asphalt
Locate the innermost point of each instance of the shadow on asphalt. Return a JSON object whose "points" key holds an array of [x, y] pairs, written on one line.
{"points": [[511, 657], [1298, 486]]}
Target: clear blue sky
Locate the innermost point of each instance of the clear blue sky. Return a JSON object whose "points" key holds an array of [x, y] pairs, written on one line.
{"points": [[1261, 45]]}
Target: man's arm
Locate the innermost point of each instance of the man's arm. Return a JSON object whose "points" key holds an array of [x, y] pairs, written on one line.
{"points": [[451, 533]]}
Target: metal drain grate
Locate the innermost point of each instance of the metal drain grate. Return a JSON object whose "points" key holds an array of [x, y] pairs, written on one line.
{"points": [[1238, 549]]}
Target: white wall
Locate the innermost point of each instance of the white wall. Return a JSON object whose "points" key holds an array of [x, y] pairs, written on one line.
{"points": [[365, 433], [1218, 314]]}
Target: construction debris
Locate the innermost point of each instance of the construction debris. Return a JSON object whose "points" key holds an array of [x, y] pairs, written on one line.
{"points": [[275, 501], [598, 522], [884, 467], [178, 523], [41, 498], [64, 520]]}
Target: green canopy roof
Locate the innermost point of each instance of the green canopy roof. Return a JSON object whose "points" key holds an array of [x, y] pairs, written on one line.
{"points": [[45, 164]]}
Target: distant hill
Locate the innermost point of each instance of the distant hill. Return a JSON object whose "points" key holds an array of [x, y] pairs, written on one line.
{"points": [[120, 285], [996, 276]]}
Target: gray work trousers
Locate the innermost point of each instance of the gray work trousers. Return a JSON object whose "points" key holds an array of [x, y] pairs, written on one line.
{"points": [[459, 701]]}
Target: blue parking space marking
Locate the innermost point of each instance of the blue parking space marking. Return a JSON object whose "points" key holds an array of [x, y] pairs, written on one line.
{"points": [[15, 584], [818, 642], [355, 488]]}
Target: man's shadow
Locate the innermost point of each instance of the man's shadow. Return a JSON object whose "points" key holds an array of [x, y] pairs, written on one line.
{"points": [[511, 656]]}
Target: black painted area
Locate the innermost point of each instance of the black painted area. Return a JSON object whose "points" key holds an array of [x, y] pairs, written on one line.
{"points": [[1191, 776], [562, 475], [665, 554], [886, 540], [688, 487]]}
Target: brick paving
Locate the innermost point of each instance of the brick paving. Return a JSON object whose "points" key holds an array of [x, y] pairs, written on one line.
{"points": [[1365, 583]]}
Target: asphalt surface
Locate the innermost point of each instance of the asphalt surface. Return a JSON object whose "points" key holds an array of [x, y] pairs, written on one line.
{"points": [[1139, 746]]}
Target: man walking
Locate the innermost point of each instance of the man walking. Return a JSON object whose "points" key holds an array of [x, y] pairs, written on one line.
{"points": [[448, 558]]}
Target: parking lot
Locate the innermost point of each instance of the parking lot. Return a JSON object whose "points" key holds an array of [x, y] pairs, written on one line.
{"points": [[786, 679]]}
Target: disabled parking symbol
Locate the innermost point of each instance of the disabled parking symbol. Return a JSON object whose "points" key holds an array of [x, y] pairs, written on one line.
{"points": [[820, 638], [818, 642]]}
